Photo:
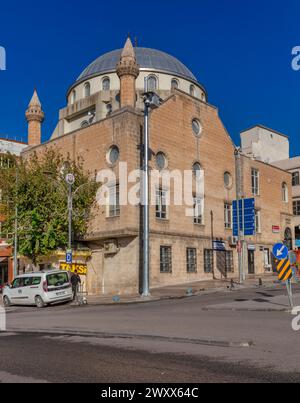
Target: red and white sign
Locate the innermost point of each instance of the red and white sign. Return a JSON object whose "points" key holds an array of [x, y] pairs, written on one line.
{"points": [[275, 229]]}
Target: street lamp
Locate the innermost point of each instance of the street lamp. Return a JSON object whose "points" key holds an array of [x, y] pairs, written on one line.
{"points": [[151, 101], [70, 180]]}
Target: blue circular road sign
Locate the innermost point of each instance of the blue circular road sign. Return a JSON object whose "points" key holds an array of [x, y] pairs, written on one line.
{"points": [[280, 251]]}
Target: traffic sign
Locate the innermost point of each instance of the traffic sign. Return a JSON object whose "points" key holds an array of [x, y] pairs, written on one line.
{"points": [[284, 269], [280, 251], [246, 217], [69, 257]]}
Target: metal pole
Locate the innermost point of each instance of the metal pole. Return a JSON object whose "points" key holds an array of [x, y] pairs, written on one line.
{"points": [[238, 198], [290, 292], [243, 241], [70, 208], [16, 231], [146, 291]]}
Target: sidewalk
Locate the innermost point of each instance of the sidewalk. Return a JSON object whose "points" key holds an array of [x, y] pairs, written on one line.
{"points": [[184, 290]]}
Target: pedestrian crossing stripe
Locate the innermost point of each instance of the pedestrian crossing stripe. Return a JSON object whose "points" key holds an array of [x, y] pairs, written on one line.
{"points": [[284, 269]]}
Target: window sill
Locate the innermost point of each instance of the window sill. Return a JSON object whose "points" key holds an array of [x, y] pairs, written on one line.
{"points": [[113, 218]]}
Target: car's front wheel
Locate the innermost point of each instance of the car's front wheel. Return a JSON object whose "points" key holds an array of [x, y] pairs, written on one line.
{"points": [[6, 301], [39, 302]]}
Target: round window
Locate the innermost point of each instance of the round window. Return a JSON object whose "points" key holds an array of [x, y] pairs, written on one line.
{"points": [[161, 161], [197, 169], [227, 179], [113, 155], [197, 128]]}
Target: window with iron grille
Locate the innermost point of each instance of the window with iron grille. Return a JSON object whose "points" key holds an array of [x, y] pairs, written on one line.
{"points": [[208, 260], [198, 217], [255, 182], [296, 179], [296, 207], [229, 261], [191, 260], [166, 259], [114, 201], [161, 204]]}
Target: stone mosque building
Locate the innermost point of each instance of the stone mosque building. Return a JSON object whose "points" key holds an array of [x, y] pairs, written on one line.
{"points": [[103, 123]]}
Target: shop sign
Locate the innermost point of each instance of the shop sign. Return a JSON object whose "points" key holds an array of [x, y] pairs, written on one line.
{"points": [[81, 268]]}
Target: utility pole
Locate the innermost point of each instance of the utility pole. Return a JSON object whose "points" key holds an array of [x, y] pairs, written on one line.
{"points": [[16, 230], [239, 197], [151, 101], [70, 179]]}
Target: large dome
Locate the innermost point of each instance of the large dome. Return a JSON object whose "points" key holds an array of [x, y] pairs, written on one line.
{"points": [[148, 59]]}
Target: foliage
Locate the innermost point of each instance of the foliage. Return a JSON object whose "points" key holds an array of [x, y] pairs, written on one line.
{"points": [[37, 187]]}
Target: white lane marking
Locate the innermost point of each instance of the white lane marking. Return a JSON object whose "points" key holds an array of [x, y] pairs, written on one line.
{"points": [[6, 377]]}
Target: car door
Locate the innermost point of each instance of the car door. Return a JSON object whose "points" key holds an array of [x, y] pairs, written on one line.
{"points": [[34, 288], [16, 292]]}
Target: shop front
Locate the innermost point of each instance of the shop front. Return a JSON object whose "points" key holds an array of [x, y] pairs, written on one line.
{"points": [[6, 264]]}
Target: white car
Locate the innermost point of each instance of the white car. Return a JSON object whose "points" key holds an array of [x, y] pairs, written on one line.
{"points": [[40, 289]]}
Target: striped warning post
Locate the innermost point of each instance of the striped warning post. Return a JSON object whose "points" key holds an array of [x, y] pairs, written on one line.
{"points": [[284, 269]]}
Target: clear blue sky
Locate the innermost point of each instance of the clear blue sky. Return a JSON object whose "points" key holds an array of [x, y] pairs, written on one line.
{"points": [[240, 50]]}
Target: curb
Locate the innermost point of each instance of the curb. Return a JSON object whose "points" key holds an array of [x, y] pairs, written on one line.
{"points": [[103, 335]]}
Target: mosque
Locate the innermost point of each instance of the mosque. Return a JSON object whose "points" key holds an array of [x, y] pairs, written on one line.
{"points": [[103, 124]]}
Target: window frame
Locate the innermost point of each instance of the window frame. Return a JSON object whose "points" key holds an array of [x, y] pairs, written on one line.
{"points": [[255, 182], [191, 260], [106, 80], [198, 218], [165, 259], [258, 222], [296, 182], [113, 210], [296, 208], [228, 219], [161, 209], [208, 261], [285, 192]]}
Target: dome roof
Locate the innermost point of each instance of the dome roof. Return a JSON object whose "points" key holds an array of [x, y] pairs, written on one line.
{"points": [[148, 59]]}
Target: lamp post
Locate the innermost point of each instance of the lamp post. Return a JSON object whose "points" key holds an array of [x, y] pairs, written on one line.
{"points": [[70, 179], [151, 101]]}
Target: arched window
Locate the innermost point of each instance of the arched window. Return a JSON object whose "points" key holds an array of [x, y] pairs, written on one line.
{"points": [[192, 90], [174, 84], [73, 97], [285, 193], [106, 84], [87, 90], [152, 83]]}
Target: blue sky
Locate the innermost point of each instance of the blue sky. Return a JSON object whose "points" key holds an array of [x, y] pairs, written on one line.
{"points": [[240, 50]]}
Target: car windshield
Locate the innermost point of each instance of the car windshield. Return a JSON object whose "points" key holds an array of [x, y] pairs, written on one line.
{"points": [[57, 279]]}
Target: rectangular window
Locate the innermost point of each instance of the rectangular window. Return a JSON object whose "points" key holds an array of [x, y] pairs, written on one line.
{"points": [[228, 216], [296, 207], [114, 201], [255, 182], [229, 261], [191, 260], [208, 260], [198, 216], [257, 222], [161, 204], [165, 259], [296, 179]]}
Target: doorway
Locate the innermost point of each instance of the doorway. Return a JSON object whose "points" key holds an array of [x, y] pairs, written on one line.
{"points": [[251, 262], [3, 271]]}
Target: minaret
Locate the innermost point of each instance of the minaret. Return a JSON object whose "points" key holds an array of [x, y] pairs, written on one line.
{"points": [[128, 71], [35, 117]]}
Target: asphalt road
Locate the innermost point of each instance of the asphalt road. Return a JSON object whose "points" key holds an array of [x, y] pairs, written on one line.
{"points": [[199, 339]]}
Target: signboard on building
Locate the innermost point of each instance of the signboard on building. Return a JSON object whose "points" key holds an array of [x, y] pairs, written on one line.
{"points": [[81, 268], [276, 229], [244, 215], [219, 245]]}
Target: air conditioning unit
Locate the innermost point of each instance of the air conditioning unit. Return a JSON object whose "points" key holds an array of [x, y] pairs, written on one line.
{"points": [[111, 247], [233, 240]]}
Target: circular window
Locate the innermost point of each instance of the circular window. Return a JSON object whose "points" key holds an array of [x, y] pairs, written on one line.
{"points": [[227, 179], [197, 169], [197, 128], [161, 161], [113, 155]]}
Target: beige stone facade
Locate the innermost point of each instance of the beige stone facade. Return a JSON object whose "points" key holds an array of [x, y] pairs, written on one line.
{"points": [[171, 128]]}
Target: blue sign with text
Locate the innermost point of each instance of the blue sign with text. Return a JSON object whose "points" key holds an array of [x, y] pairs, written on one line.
{"points": [[69, 257], [246, 217]]}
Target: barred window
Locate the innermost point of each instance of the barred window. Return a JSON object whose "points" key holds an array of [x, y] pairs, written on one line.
{"points": [[208, 260], [198, 217], [191, 260], [165, 259], [296, 179], [229, 261]]}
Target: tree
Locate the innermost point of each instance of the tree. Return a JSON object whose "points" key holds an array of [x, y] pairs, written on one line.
{"points": [[37, 187]]}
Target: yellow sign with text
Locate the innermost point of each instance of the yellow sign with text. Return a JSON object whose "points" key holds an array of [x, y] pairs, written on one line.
{"points": [[81, 268]]}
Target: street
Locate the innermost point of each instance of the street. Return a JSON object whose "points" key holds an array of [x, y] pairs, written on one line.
{"points": [[207, 338]]}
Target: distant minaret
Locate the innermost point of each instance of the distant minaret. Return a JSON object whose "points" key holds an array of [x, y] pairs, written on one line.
{"points": [[128, 70], [35, 117]]}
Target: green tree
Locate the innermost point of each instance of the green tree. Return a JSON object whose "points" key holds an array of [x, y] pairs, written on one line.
{"points": [[37, 187]]}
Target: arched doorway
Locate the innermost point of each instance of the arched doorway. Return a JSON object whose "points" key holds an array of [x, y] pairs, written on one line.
{"points": [[288, 238]]}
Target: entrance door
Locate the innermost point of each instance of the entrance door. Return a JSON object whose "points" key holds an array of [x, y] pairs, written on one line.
{"points": [[221, 263], [251, 262]]}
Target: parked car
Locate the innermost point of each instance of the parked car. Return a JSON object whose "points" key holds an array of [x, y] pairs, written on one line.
{"points": [[40, 289]]}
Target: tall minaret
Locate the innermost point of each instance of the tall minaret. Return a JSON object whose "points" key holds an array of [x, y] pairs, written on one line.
{"points": [[35, 117], [128, 71]]}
